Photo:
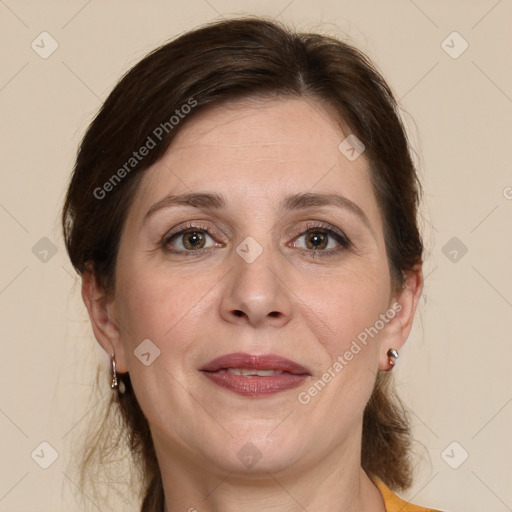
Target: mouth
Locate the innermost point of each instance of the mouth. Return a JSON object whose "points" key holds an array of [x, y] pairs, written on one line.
{"points": [[255, 375]]}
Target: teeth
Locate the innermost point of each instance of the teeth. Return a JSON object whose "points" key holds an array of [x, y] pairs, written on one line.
{"points": [[248, 373]]}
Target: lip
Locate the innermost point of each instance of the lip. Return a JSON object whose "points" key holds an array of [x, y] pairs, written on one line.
{"points": [[255, 362], [255, 386]]}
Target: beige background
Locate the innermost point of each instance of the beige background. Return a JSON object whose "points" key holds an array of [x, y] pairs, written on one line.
{"points": [[454, 373]]}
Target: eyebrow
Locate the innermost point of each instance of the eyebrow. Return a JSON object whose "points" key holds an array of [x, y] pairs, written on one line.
{"points": [[302, 201]]}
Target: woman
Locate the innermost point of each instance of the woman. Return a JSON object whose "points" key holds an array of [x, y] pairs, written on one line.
{"points": [[243, 215]]}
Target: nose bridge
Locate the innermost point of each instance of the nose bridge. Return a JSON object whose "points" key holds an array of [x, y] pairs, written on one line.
{"points": [[256, 290]]}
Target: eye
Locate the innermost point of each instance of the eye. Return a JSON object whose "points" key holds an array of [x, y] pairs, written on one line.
{"points": [[322, 240], [319, 240], [190, 239]]}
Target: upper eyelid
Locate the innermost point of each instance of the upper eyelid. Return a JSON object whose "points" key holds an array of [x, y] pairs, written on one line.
{"points": [[321, 225], [309, 225]]}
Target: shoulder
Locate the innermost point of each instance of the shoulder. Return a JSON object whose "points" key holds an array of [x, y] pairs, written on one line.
{"points": [[394, 503]]}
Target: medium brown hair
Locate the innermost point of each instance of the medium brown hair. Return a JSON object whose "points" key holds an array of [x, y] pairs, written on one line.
{"points": [[222, 62]]}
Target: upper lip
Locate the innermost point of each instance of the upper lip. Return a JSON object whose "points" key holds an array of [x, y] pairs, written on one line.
{"points": [[255, 362]]}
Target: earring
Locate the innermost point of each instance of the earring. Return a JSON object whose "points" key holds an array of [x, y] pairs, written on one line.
{"points": [[114, 383], [392, 355]]}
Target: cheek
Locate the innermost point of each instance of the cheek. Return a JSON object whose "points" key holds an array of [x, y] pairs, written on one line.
{"points": [[344, 305], [344, 320], [162, 308]]}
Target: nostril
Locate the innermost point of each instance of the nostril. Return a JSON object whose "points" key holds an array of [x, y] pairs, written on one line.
{"points": [[238, 312]]}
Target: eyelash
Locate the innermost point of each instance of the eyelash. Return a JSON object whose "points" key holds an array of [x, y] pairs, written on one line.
{"points": [[344, 242]]}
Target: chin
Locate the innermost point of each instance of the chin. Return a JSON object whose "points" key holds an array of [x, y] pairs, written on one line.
{"points": [[259, 453]]}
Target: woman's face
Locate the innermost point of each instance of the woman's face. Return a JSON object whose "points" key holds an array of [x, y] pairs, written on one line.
{"points": [[246, 278]]}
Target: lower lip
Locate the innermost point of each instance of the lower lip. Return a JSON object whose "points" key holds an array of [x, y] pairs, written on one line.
{"points": [[255, 386]]}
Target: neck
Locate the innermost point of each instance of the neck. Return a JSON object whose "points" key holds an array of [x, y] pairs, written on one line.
{"points": [[335, 483]]}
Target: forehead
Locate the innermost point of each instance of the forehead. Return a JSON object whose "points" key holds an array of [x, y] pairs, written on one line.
{"points": [[260, 149], [288, 128]]}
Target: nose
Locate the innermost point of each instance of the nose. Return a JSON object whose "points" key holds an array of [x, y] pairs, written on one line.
{"points": [[256, 293]]}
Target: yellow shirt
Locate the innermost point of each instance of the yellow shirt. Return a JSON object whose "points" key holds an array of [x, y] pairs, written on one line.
{"points": [[395, 504]]}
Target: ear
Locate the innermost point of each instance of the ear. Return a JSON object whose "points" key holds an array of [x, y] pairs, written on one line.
{"points": [[404, 306], [101, 308]]}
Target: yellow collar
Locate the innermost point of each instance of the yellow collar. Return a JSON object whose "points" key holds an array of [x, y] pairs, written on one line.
{"points": [[394, 503]]}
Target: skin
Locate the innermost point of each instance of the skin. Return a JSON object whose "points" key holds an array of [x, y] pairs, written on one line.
{"points": [[287, 301]]}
